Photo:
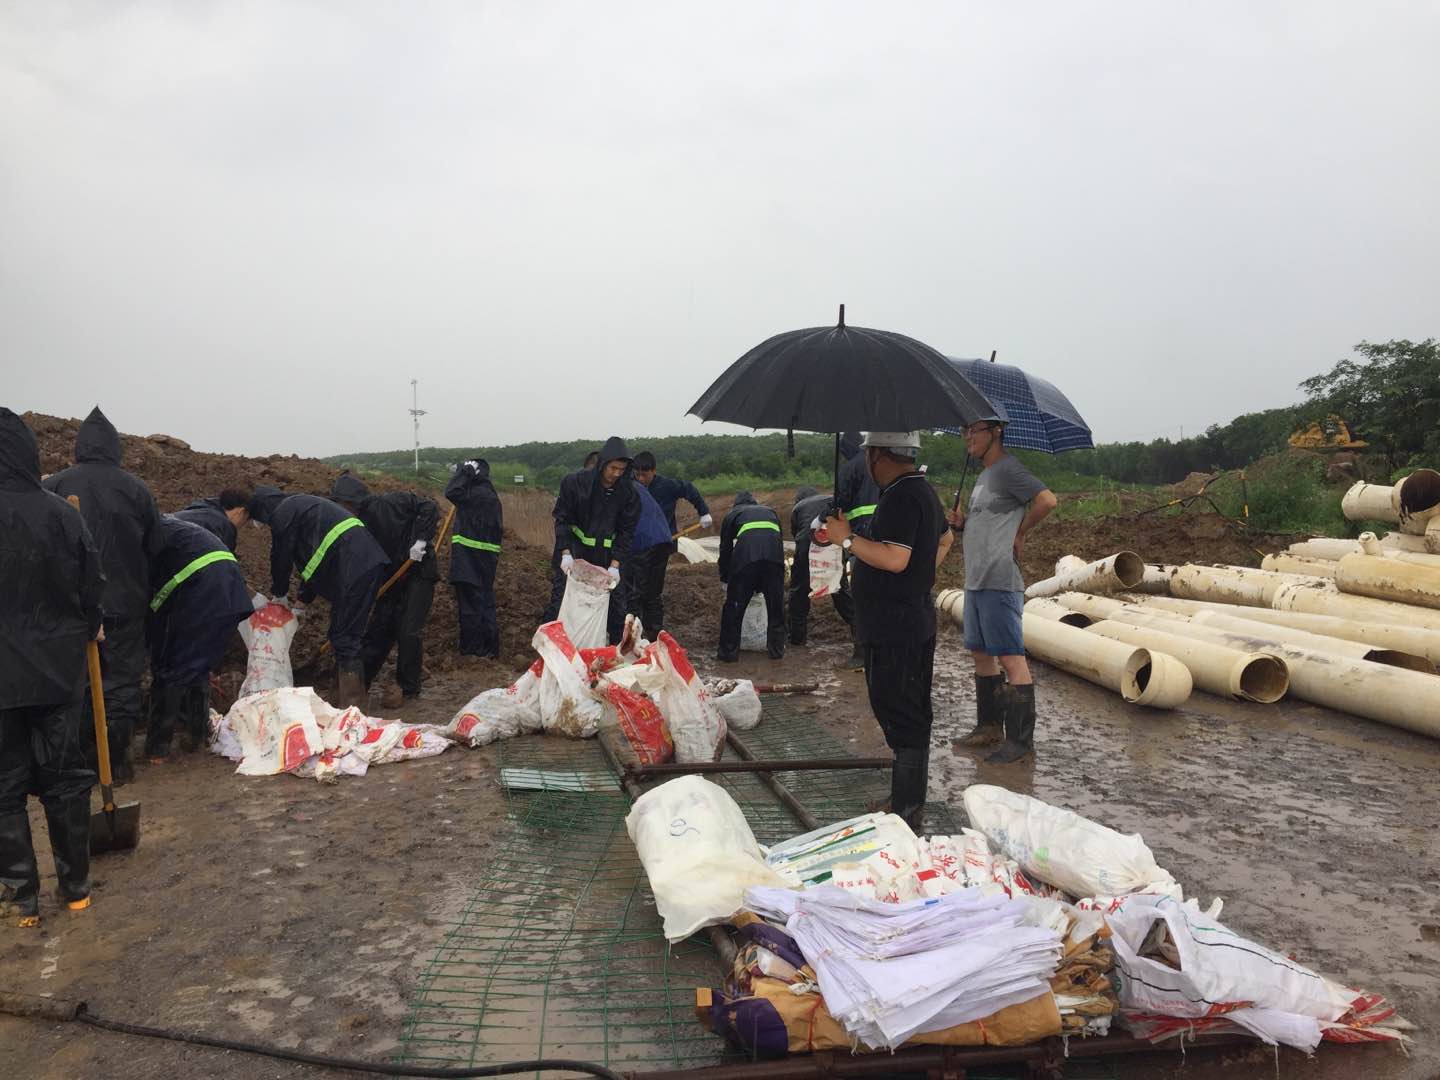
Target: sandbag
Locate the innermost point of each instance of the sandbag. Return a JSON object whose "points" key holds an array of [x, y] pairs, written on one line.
{"points": [[755, 626], [501, 713], [698, 852], [1061, 847], [696, 726], [267, 635], [827, 569], [567, 706], [741, 706], [639, 719], [586, 605]]}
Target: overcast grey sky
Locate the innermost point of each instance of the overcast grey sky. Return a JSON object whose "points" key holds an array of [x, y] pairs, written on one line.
{"points": [[251, 224]]}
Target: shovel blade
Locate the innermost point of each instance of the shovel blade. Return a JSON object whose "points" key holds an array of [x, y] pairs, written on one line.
{"points": [[115, 830]]}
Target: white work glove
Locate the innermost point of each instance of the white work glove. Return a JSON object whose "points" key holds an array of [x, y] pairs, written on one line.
{"points": [[566, 561], [706, 521], [297, 609], [417, 551], [614, 573], [258, 601], [473, 466]]}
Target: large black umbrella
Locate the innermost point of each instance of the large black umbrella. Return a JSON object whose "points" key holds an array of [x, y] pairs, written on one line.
{"points": [[841, 378]]}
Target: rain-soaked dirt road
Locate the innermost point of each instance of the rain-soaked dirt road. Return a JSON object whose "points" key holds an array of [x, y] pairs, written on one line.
{"points": [[284, 911]]}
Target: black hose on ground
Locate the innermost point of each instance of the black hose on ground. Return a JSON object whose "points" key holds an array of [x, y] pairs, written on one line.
{"points": [[322, 1061]]}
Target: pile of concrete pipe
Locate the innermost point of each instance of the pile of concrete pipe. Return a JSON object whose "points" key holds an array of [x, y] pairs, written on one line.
{"points": [[1138, 674], [1412, 504]]}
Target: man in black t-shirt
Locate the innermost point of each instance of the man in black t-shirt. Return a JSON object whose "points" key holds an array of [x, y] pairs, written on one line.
{"points": [[894, 571]]}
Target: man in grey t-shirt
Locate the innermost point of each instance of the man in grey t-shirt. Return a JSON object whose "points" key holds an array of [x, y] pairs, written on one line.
{"points": [[1006, 503]]}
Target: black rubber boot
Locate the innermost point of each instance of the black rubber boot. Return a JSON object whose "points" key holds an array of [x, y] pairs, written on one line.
{"points": [[775, 643], [167, 704], [194, 721], [1019, 741], [989, 722], [69, 823], [19, 876], [909, 780]]}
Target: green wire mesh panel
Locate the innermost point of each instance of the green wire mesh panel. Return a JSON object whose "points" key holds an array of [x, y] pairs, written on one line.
{"points": [[559, 952]]}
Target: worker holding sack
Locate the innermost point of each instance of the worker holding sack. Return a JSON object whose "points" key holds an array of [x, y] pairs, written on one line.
{"points": [[475, 556], [51, 585], [224, 515], [403, 524], [595, 517], [651, 566], [1006, 503], [337, 559], [199, 602], [752, 559], [643, 575], [810, 506], [894, 572]]}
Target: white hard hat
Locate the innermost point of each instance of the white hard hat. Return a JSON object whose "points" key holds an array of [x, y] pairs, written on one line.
{"points": [[892, 440]]}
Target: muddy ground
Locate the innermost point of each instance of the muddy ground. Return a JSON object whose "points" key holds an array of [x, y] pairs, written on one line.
{"points": [[284, 911]]}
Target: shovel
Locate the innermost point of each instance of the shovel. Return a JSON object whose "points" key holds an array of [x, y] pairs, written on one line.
{"points": [[112, 828], [686, 531]]}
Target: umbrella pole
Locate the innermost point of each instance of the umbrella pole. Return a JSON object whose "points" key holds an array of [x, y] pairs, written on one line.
{"points": [[963, 473], [835, 490]]}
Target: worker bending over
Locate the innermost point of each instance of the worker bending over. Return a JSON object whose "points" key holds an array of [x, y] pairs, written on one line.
{"points": [[337, 559], [199, 601], [223, 515], [121, 515], [595, 517], [894, 614], [752, 559], [647, 593], [50, 590], [475, 556]]}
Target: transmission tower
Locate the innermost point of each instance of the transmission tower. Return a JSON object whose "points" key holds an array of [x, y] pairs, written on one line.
{"points": [[415, 413]]}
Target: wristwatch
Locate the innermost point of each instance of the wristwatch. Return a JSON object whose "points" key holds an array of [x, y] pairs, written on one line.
{"points": [[847, 542]]}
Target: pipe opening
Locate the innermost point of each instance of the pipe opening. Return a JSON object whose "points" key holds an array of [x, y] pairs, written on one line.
{"points": [[1130, 568], [1264, 679], [1420, 491], [1398, 659], [1075, 619], [1136, 675]]}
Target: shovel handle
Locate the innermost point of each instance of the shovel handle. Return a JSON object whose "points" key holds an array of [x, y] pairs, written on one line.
{"points": [[102, 734], [684, 531]]}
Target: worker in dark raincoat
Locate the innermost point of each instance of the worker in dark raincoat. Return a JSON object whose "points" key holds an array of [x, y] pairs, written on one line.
{"points": [[475, 556], [337, 559], [51, 585], [647, 568], [224, 515], [856, 497], [752, 559], [650, 547], [595, 515], [120, 513], [809, 505], [404, 525], [199, 602]]}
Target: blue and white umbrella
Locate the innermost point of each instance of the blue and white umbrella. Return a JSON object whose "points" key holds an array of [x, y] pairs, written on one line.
{"points": [[1039, 416]]}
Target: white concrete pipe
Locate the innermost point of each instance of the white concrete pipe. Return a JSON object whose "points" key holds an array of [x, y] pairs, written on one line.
{"points": [[1318, 601], [1218, 669], [1296, 564], [1426, 544], [1045, 608], [1403, 639], [1323, 547], [1123, 570], [1132, 672], [1389, 579], [1369, 502], [1416, 501], [1391, 695], [1231, 585]]}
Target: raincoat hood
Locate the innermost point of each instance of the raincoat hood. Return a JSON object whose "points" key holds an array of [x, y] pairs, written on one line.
{"points": [[850, 445], [482, 469], [744, 498], [264, 502], [348, 488], [97, 441], [801, 494], [613, 450], [19, 454]]}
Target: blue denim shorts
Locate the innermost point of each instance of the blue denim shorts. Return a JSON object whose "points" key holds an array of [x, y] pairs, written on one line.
{"points": [[993, 622]]}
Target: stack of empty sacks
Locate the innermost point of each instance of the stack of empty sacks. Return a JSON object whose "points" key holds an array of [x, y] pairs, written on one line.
{"points": [[646, 691], [861, 935]]}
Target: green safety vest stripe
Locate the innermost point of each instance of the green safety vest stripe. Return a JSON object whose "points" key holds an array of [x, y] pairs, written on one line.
{"points": [[589, 541], [330, 538], [193, 567], [478, 545], [860, 511], [756, 525]]}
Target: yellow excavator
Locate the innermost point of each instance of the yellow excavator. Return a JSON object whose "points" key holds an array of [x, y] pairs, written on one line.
{"points": [[1332, 433]]}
